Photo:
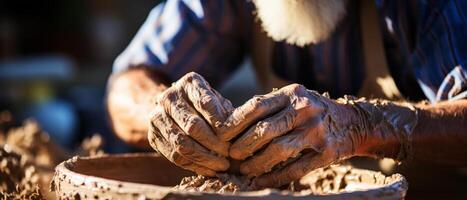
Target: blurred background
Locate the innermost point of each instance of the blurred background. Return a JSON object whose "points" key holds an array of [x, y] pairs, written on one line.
{"points": [[56, 56]]}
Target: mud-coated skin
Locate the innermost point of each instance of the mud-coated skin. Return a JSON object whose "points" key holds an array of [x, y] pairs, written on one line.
{"points": [[386, 119], [316, 131], [192, 124], [183, 125], [280, 136]]}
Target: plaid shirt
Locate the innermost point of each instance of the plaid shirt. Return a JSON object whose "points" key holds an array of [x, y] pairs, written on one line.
{"points": [[423, 42]]}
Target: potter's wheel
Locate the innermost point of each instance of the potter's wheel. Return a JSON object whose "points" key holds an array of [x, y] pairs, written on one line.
{"points": [[149, 176]]}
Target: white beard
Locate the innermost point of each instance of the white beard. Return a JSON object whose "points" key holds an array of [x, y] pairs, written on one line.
{"points": [[300, 22]]}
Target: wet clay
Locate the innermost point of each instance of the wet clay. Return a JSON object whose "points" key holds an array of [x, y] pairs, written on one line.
{"points": [[337, 179], [18, 178], [149, 176], [92, 146], [29, 157], [329, 180], [223, 183], [38, 156], [30, 141]]}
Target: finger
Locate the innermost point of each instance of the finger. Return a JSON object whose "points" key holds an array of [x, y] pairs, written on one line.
{"points": [[279, 150], [184, 145], [159, 143], [253, 110], [204, 100], [263, 132], [293, 171], [191, 123]]}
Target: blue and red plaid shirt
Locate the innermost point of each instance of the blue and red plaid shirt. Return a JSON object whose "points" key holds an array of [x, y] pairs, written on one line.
{"points": [[423, 41]]}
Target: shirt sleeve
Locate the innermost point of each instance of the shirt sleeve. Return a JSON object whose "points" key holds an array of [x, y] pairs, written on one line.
{"points": [[454, 86], [440, 57], [209, 37]]}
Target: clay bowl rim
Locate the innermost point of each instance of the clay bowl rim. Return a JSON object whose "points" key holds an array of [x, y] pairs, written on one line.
{"points": [[399, 185], [63, 169]]}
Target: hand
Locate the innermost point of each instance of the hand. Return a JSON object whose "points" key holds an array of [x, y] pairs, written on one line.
{"points": [[184, 125], [295, 123], [130, 95]]}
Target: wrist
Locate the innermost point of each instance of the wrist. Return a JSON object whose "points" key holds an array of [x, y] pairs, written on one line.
{"points": [[384, 128], [367, 138]]}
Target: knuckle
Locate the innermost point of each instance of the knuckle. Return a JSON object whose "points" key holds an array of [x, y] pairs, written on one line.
{"points": [[181, 145], [190, 76], [193, 124], [193, 75], [157, 118], [171, 96], [168, 96], [306, 103], [207, 102], [296, 88], [257, 102], [302, 103]]}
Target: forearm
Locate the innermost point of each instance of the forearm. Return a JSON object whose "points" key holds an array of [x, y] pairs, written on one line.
{"points": [[130, 100], [440, 136]]}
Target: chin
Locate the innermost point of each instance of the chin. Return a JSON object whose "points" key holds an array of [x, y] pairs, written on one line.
{"points": [[300, 22]]}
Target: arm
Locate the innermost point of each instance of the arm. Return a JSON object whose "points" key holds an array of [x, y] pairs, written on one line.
{"points": [[178, 37], [181, 118], [131, 97], [309, 130], [440, 136]]}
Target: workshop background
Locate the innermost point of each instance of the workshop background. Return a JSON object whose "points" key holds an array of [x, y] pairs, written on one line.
{"points": [[56, 56]]}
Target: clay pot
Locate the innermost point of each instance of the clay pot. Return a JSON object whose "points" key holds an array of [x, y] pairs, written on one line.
{"points": [[149, 176]]}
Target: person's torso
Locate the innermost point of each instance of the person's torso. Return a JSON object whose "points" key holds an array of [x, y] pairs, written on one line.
{"points": [[337, 64]]}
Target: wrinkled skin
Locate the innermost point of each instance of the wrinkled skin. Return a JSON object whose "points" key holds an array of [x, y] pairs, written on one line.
{"points": [[281, 136], [183, 126], [286, 123], [293, 122], [294, 131]]}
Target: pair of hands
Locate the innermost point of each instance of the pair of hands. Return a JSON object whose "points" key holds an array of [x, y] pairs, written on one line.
{"points": [[279, 137]]}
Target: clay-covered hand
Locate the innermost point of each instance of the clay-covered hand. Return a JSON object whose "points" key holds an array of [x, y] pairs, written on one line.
{"points": [[294, 130], [183, 125]]}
